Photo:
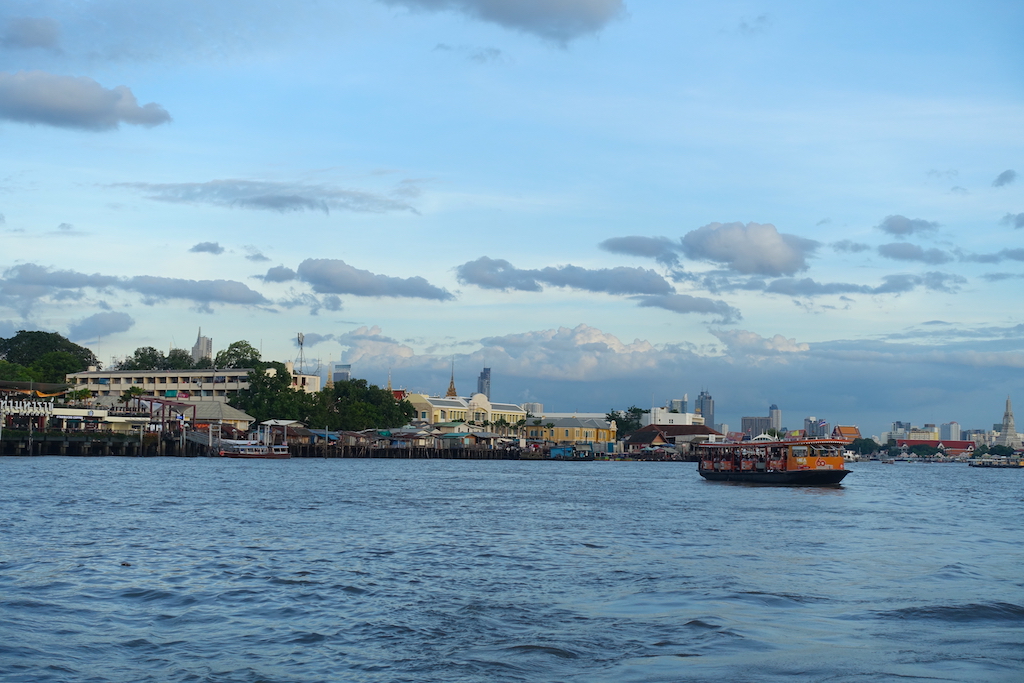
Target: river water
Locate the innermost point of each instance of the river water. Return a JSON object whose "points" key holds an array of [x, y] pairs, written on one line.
{"points": [[160, 569]]}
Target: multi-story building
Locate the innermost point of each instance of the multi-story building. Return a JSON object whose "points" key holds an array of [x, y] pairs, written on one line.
{"points": [[534, 408], [680, 405], [185, 385], [483, 383], [341, 372], [572, 430], [476, 409], [950, 431], [203, 347], [753, 426], [814, 427], [665, 416], [705, 405], [775, 417]]}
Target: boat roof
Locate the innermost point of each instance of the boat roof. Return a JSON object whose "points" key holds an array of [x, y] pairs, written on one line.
{"points": [[803, 442]]}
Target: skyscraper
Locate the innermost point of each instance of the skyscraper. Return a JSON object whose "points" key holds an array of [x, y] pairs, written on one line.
{"points": [[775, 417], [705, 405], [483, 383], [203, 347]]}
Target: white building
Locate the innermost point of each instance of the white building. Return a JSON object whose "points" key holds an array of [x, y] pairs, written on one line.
{"points": [[664, 416]]}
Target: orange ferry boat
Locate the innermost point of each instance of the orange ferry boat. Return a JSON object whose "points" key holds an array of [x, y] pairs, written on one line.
{"points": [[815, 462]]}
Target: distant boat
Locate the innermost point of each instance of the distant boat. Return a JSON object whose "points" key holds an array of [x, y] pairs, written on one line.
{"points": [[815, 462]]}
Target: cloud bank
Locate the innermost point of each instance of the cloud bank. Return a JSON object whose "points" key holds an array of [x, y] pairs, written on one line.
{"points": [[332, 276], [491, 273], [902, 226], [557, 20], [25, 33], [38, 97], [282, 197], [100, 325]]}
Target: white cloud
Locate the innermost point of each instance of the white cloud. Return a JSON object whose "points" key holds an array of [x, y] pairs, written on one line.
{"points": [[753, 248]]}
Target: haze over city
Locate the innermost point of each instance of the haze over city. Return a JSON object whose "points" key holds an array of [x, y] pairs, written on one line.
{"points": [[607, 202]]}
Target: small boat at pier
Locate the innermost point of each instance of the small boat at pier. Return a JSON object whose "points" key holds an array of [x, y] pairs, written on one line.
{"points": [[230, 448], [814, 462]]}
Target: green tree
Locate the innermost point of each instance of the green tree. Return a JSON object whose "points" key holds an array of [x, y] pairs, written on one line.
{"points": [[865, 446], [270, 394], [1001, 451], [239, 354], [627, 421], [54, 367], [13, 372], [923, 450], [981, 450], [178, 359], [144, 358], [26, 348], [130, 393]]}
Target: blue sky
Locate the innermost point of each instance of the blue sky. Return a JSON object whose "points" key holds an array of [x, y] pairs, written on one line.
{"points": [[817, 205]]}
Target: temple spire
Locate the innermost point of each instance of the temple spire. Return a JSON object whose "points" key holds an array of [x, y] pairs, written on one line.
{"points": [[389, 381], [451, 385]]}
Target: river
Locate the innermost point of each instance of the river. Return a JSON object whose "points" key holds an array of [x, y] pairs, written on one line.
{"points": [[206, 569]]}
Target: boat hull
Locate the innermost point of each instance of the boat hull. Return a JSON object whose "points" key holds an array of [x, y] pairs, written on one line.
{"points": [[781, 478]]}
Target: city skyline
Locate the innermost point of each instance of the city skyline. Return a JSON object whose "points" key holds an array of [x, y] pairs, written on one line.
{"points": [[600, 200]]}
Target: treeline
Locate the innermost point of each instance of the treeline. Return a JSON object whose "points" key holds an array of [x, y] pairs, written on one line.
{"points": [[351, 405], [239, 354], [41, 357]]}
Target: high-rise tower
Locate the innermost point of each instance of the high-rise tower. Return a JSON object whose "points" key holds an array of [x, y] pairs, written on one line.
{"points": [[203, 348], [775, 417], [705, 405], [483, 383]]}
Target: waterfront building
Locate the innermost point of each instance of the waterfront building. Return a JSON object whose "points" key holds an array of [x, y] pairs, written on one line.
{"points": [[775, 417], [483, 383], [850, 432], [476, 409], [705, 405], [679, 435], [572, 430], [203, 348], [208, 384]]}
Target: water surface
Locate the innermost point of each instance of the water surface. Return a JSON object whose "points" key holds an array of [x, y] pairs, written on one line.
{"points": [[161, 569]]}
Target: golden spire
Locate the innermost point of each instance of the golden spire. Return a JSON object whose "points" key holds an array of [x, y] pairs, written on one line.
{"points": [[451, 385], [389, 381]]}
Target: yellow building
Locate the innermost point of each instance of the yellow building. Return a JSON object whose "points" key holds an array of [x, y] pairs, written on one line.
{"points": [[476, 410], [572, 430]]}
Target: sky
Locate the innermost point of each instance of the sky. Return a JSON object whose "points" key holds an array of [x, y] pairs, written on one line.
{"points": [[607, 202]]}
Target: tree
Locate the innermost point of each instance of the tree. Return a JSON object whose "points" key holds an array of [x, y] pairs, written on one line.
{"points": [[178, 359], [239, 354], [130, 393], [54, 367], [627, 421], [864, 446], [144, 358], [25, 348], [1001, 451], [14, 373], [981, 450]]}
